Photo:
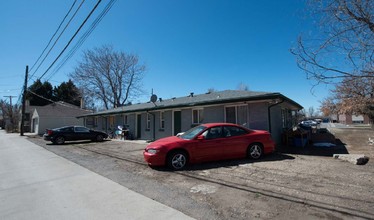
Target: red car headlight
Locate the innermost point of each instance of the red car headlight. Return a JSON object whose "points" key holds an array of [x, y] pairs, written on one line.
{"points": [[152, 151]]}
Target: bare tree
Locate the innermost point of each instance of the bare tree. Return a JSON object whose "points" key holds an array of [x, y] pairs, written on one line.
{"points": [[11, 115], [210, 90], [109, 76], [242, 87], [341, 52], [356, 96], [343, 47], [329, 106], [311, 112]]}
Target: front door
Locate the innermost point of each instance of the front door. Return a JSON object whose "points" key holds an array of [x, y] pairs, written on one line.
{"points": [[177, 122], [138, 126]]}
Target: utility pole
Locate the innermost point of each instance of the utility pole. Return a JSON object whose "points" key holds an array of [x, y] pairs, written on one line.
{"points": [[24, 100], [10, 98]]}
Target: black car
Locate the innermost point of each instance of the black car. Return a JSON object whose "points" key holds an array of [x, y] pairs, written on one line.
{"points": [[73, 133]]}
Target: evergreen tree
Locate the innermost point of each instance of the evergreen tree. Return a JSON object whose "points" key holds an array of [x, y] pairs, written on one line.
{"points": [[67, 92], [40, 94]]}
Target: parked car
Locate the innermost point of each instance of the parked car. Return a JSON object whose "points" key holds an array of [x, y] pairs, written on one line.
{"points": [[73, 133], [309, 123], [209, 142]]}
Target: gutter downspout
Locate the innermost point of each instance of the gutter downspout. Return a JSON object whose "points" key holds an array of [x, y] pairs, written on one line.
{"points": [[269, 115]]}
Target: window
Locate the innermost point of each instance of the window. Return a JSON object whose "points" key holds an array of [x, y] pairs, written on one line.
{"points": [[81, 129], [148, 121], [197, 116], [237, 114], [162, 120], [27, 116], [67, 129], [125, 120], [231, 114], [285, 119], [188, 135], [242, 115], [230, 131], [212, 133], [91, 121]]}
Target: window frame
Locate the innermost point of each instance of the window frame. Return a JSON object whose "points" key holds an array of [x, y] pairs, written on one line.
{"points": [[237, 107], [148, 119], [200, 116], [162, 120], [125, 119]]}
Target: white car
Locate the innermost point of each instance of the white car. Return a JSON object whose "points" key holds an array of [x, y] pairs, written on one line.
{"points": [[309, 123]]}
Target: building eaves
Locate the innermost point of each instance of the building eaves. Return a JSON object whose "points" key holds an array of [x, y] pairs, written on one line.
{"points": [[223, 97]]}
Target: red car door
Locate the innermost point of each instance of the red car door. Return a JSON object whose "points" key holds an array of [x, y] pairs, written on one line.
{"points": [[236, 142], [210, 145]]}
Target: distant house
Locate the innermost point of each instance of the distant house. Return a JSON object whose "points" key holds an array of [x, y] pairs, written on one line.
{"points": [[161, 118], [54, 115], [353, 119]]}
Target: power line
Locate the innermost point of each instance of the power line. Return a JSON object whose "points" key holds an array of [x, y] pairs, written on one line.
{"points": [[58, 102], [80, 41], [83, 37], [76, 11], [58, 28], [80, 27]]}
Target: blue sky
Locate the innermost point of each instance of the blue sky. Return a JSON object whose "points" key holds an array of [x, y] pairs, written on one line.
{"points": [[187, 45]]}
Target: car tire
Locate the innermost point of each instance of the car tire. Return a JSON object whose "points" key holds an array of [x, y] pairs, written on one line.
{"points": [[255, 151], [99, 138], [177, 160], [59, 140]]}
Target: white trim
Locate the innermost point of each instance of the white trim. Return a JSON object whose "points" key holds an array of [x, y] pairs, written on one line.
{"points": [[198, 115], [162, 119], [236, 112], [148, 121], [125, 122]]}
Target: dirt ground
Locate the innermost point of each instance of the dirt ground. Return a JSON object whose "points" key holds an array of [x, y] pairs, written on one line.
{"points": [[302, 183]]}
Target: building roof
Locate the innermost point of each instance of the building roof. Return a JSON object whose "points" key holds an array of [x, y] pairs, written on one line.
{"points": [[60, 109], [211, 98]]}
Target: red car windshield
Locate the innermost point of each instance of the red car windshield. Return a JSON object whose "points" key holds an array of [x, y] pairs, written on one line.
{"points": [[190, 134]]}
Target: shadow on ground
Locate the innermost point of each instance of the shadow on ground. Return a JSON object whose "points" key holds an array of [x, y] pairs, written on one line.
{"points": [[230, 163], [319, 143]]}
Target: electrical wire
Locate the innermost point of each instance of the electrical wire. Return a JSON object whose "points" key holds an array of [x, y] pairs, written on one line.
{"points": [[80, 41], [57, 102], [58, 28], [72, 38], [49, 51], [83, 38]]}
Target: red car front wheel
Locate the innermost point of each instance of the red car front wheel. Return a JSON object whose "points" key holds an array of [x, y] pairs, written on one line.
{"points": [[177, 160]]}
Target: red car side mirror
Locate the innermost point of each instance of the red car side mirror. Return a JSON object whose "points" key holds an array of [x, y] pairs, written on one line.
{"points": [[200, 137]]}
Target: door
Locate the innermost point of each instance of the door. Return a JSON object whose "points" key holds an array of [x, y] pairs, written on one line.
{"points": [[212, 147], [138, 126], [236, 142], [81, 133], [177, 122]]}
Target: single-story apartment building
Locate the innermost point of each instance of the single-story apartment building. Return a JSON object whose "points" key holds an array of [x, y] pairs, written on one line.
{"points": [[161, 118]]}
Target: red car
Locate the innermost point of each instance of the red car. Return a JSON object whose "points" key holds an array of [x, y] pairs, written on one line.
{"points": [[209, 142]]}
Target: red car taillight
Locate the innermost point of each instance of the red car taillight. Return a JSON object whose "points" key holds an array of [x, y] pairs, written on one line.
{"points": [[49, 132]]}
